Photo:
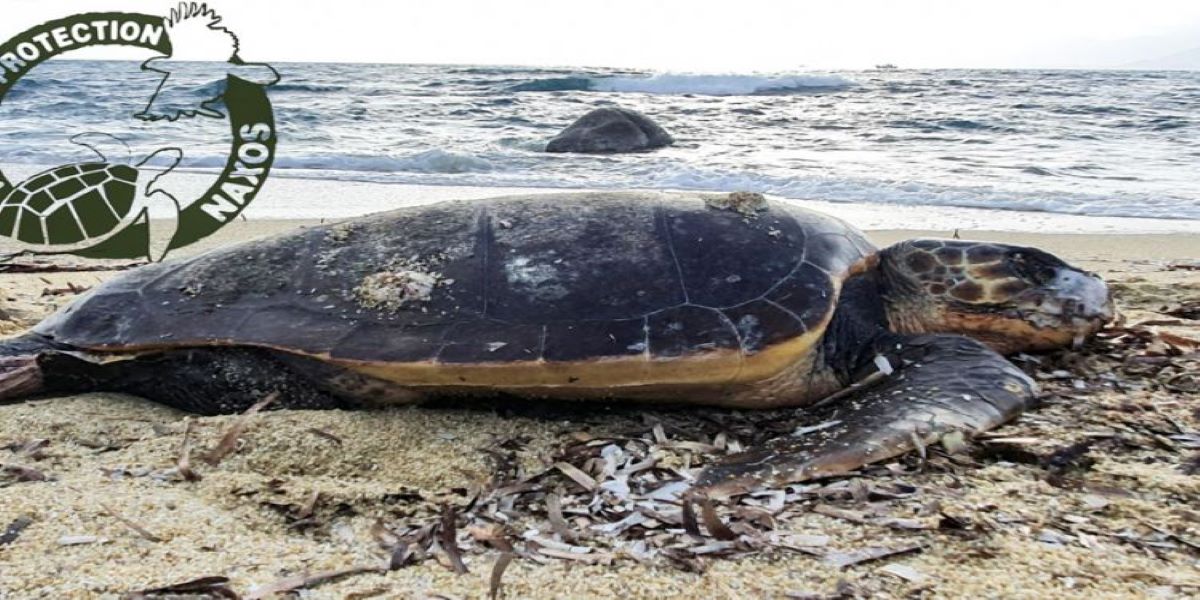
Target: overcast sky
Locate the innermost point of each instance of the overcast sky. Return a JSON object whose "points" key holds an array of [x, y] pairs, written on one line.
{"points": [[692, 35]]}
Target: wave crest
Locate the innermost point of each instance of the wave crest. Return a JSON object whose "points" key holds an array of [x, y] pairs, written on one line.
{"points": [[429, 161], [684, 83]]}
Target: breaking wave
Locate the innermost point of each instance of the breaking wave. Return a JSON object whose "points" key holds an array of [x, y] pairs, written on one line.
{"points": [[440, 167], [681, 83]]}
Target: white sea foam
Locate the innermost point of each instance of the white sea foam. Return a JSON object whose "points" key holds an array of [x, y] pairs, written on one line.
{"points": [[443, 161], [437, 167], [429, 161], [717, 85]]}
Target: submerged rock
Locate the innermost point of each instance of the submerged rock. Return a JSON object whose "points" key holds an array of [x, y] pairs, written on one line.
{"points": [[611, 130]]}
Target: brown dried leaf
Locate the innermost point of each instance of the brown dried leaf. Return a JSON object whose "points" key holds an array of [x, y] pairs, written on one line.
{"points": [[583, 479], [402, 555], [713, 522], [25, 474], [185, 455], [904, 572], [296, 582], [1178, 341], [713, 548], [63, 291], [142, 531], [846, 559], [212, 587], [496, 580], [688, 516], [448, 537], [30, 448], [44, 267], [325, 434], [491, 534], [557, 522], [383, 535], [229, 440], [853, 516], [591, 558]]}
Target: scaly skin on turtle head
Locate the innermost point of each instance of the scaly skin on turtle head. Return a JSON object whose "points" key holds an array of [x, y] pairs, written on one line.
{"points": [[1011, 298]]}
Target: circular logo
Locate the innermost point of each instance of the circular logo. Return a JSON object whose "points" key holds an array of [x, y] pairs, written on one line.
{"points": [[116, 205]]}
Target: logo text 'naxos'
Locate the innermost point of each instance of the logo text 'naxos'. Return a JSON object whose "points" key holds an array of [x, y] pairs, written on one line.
{"points": [[131, 198]]}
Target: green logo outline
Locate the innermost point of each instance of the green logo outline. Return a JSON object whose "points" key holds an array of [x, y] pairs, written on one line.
{"points": [[251, 120]]}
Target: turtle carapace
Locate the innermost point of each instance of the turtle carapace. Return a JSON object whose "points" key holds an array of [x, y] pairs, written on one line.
{"points": [[645, 296]]}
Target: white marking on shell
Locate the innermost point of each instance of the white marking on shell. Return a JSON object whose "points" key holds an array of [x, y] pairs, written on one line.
{"points": [[395, 289], [530, 277]]}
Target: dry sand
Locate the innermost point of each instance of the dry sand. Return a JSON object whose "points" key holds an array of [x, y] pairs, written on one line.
{"points": [[302, 490]]}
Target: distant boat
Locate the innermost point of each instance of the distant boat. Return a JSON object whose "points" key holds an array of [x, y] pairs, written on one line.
{"points": [[886, 67]]}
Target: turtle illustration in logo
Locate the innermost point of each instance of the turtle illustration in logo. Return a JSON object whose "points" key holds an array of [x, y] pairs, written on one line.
{"points": [[118, 206], [80, 205]]}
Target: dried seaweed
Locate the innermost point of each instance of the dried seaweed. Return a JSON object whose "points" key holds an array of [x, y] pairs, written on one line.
{"points": [[624, 495]]}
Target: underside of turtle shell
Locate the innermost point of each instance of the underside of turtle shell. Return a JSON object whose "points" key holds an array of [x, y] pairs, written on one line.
{"points": [[620, 278]]}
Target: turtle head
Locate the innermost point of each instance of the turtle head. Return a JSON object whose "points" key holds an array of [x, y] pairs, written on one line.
{"points": [[1012, 298]]}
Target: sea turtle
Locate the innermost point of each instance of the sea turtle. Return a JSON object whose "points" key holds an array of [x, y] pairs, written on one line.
{"points": [[684, 298], [78, 206]]}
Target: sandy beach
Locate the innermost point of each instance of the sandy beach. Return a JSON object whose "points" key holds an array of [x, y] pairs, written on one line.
{"points": [[1092, 495]]}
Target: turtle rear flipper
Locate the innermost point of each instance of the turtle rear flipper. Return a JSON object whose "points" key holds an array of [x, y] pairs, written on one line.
{"points": [[21, 372], [942, 383], [20, 376], [33, 364]]}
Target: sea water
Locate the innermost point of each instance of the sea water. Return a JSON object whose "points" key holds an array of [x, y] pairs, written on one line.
{"points": [[1100, 143]]}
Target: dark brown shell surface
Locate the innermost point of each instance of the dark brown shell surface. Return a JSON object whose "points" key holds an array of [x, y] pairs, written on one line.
{"points": [[543, 278]]}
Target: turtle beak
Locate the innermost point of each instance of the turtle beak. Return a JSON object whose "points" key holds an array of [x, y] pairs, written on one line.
{"points": [[1077, 300]]}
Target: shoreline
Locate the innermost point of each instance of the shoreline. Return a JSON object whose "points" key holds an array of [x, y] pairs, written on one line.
{"points": [[300, 197], [282, 190]]}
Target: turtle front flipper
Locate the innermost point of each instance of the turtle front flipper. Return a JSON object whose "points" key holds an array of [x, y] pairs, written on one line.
{"points": [[941, 383]]}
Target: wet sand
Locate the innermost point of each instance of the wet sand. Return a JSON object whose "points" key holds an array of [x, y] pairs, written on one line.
{"points": [[304, 492]]}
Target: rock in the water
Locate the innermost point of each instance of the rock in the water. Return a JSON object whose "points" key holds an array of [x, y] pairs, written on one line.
{"points": [[611, 130]]}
